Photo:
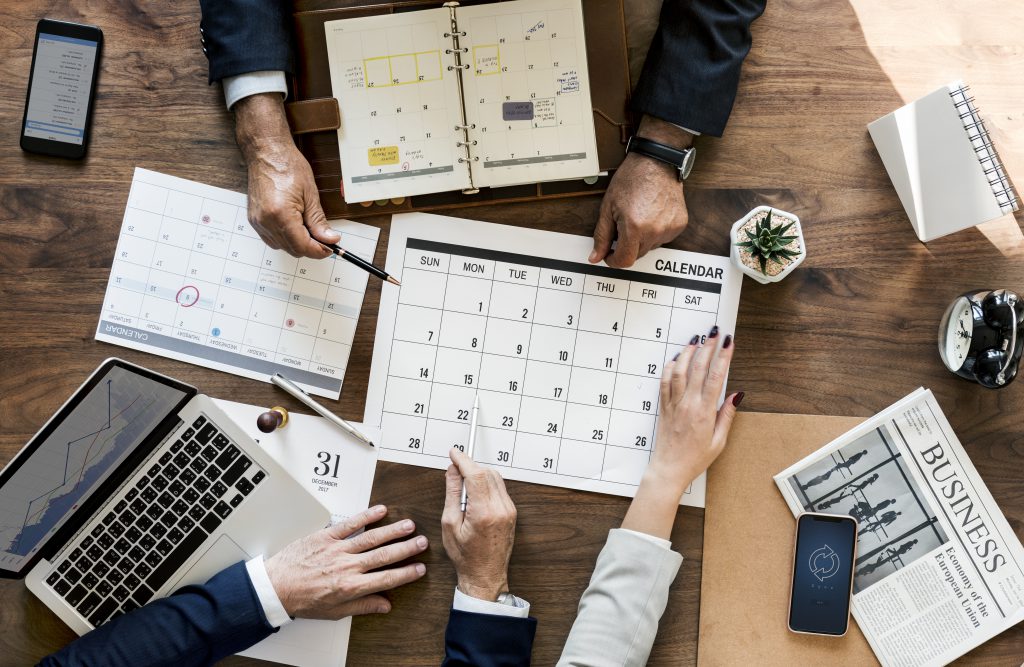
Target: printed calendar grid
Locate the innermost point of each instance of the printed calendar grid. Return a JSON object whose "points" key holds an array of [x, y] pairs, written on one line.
{"points": [[191, 279], [508, 455]]}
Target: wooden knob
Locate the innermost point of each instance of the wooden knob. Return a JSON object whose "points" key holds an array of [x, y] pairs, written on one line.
{"points": [[273, 419]]}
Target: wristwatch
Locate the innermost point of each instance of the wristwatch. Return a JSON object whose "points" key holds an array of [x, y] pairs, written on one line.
{"points": [[682, 160]]}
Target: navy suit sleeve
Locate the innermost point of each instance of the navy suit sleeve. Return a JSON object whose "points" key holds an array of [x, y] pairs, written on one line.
{"points": [[486, 640], [241, 36], [198, 625], [693, 67]]}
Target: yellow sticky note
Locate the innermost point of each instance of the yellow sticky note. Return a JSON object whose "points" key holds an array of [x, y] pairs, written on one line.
{"points": [[379, 155]]}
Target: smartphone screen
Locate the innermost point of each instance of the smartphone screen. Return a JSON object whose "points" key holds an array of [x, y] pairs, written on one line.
{"points": [[822, 574], [61, 88]]}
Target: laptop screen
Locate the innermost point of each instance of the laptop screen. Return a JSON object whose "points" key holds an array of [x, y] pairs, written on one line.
{"points": [[75, 453]]}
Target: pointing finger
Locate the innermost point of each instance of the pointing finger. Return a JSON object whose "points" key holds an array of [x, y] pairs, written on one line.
{"points": [[699, 366], [719, 370], [681, 369], [604, 233]]}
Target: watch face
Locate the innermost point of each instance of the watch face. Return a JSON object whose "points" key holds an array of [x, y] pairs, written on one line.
{"points": [[688, 160], [955, 334]]}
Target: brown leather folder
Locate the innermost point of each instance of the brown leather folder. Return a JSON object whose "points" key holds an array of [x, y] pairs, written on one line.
{"points": [[314, 116]]}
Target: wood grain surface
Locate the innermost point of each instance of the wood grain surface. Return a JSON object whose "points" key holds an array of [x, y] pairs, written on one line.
{"points": [[849, 333]]}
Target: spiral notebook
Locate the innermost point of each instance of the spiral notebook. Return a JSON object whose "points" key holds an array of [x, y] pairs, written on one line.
{"points": [[942, 162], [461, 98]]}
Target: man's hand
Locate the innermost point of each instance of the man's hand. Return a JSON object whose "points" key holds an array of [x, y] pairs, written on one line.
{"points": [[333, 573], [479, 541], [284, 205], [644, 205]]}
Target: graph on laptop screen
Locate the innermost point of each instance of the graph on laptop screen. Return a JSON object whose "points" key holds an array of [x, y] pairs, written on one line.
{"points": [[106, 426]]}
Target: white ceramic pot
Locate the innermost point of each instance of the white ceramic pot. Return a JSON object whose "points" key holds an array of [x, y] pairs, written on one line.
{"points": [[755, 273]]}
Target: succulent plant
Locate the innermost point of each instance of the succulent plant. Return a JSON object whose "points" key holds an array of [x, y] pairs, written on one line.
{"points": [[768, 243]]}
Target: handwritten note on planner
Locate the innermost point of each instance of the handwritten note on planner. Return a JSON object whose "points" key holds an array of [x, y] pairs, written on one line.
{"points": [[566, 356], [191, 280]]}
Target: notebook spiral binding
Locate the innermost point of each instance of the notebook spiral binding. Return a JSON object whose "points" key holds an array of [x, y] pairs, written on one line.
{"points": [[984, 148], [456, 52]]}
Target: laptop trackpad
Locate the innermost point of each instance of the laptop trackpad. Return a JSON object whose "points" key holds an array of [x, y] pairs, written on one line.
{"points": [[222, 553]]}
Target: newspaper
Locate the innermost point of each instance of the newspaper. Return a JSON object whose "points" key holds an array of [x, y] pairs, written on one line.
{"points": [[938, 568]]}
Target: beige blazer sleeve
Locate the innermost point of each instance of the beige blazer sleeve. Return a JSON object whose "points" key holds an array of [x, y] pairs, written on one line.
{"points": [[619, 612]]}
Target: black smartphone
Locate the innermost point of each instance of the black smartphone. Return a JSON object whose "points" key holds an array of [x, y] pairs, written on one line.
{"points": [[61, 89], [822, 586]]}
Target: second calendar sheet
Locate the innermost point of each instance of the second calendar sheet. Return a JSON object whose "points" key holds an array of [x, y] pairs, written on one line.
{"points": [[566, 356]]}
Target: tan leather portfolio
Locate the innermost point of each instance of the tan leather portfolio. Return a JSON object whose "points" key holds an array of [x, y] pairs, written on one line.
{"points": [[314, 117], [748, 550]]}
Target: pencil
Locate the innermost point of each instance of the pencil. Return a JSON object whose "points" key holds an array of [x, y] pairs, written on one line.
{"points": [[472, 443], [362, 263]]}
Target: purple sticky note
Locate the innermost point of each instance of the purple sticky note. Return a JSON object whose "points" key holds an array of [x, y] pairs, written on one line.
{"points": [[517, 110]]}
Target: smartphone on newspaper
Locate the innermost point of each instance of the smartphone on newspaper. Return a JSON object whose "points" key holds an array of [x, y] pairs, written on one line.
{"points": [[822, 582]]}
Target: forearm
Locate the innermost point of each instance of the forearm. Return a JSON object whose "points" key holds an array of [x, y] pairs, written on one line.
{"points": [[261, 124], [654, 507], [693, 66], [619, 612], [198, 625], [664, 132]]}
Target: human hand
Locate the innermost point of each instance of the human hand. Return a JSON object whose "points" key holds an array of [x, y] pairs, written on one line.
{"points": [[284, 204], [692, 432], [479, 541], [692, 429], [644, 205], [334, 573]]}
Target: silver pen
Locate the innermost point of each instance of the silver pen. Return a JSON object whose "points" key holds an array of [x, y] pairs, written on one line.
{"points": [[472, 443], [302, 397]]}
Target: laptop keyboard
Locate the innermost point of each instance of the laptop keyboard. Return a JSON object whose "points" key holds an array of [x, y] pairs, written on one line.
{"points": [[156, 524]]}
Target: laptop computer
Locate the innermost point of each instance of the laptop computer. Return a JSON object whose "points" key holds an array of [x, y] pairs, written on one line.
{"points": [[136, 486]]}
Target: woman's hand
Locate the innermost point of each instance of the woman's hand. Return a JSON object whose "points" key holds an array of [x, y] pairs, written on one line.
{"points": [[692, 431]]}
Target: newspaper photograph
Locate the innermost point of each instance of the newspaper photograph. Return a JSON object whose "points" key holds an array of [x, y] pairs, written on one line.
{"points": [[938, 569]]}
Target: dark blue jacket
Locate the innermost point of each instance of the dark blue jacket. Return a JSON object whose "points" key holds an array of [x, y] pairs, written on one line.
{"points": [[200, 625]]}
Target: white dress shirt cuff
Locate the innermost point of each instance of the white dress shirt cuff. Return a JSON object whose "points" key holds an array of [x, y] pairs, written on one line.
{"points": [[660, 541], [474, 605], [253, 83], [272, 607], [684, 129]]}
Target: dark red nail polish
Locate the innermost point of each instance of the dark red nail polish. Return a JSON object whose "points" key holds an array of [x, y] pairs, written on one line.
{"points": [[714, 331], [727, 342], [675, 357], [738, 398], [693, 341]]}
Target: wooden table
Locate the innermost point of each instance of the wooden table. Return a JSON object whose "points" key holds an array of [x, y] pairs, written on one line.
{"points": [[850, 332]]}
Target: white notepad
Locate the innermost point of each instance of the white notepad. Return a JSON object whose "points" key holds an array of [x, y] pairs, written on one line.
{"points": [[942, 163]]}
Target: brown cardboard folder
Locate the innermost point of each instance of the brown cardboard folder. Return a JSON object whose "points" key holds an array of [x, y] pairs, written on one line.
{"points": [[748, 549]]}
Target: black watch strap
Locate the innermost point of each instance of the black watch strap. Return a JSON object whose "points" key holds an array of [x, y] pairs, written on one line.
{"points": [[682, 160]]}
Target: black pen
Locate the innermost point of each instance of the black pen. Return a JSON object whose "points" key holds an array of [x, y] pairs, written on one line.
{"points": [[362, 263]]}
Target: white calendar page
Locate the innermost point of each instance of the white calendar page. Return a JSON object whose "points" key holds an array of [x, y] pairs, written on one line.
{"points": [[566, 356], [399, 105], [527, 92], [192, 281]]}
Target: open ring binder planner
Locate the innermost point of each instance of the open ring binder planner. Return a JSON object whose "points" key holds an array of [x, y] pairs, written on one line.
{"points": [[462, 98]]}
